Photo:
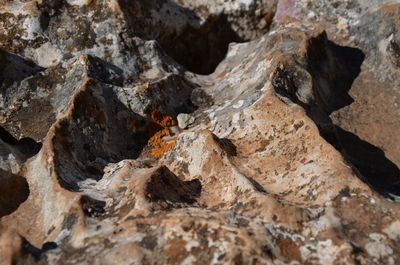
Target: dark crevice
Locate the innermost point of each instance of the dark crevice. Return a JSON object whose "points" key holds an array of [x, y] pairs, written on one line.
{"points": [[370, 162], [30, 254], [257, 185], [199, 48], [334, 69], [7, 137], [92, 207], [14, 69], [26, 147], [165, 186], [14, 190], [97, 133], [227, 145]]}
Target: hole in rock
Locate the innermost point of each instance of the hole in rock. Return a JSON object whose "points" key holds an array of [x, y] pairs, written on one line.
{"points": [[14, 190], [171, 95], [165, 186], [26, 147], [201, 50], [92, 207], [100, 130], [7, 137], [198, 46]]}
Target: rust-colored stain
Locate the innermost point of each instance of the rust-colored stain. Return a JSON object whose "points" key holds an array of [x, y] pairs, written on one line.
{"points": [[222, 75], [390, 8], [159, 145], [162, 119]]}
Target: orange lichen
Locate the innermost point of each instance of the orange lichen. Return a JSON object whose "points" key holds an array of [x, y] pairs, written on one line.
{"points": [[162, 119], [158, 144]]}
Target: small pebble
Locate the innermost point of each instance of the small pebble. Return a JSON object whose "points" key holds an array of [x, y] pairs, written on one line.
{"points": [[184, 120]]}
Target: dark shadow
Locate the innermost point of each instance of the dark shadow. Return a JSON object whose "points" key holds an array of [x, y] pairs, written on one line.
{"points": [[226, 144], [105, 71], [257, 185], [98, 132], [165, 186], [198, 48], [171, 95], [333, 69], [201, 50], [30, 254], [7, 137], [14, 190], [13, 69], [370, 162], [26, 147], [92, 207]]}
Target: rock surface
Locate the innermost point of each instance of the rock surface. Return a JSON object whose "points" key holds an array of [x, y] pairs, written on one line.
{"points": [[136, 132]]}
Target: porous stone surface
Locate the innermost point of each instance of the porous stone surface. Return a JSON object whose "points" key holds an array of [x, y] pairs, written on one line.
{"points": [[199, 132]]}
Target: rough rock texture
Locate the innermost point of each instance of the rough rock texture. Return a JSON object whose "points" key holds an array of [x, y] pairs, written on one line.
{"points": [[373, 112], [116, 148]]}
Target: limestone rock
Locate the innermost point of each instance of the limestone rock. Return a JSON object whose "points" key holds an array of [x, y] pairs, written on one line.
{"points": [[184, 120], [132, 132]]}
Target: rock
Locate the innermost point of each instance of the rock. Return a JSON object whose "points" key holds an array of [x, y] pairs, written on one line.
{"points": [[184, 120], [132, 132], [372, 27]]}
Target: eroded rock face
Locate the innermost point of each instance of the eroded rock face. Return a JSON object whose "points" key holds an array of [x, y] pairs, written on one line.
{"points": [[117, 149], [368, 123]]}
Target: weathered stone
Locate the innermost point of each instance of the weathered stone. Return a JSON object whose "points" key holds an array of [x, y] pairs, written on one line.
{"points": [[285, 153], [184, 120]]}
